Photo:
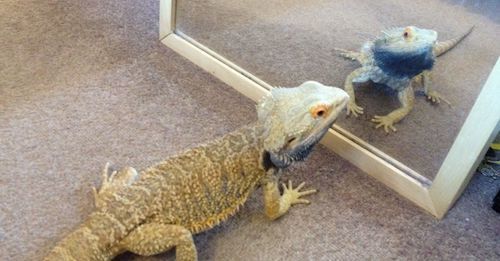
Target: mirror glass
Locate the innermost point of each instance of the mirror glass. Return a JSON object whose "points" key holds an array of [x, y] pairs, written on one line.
{"points": [[285, 43]]}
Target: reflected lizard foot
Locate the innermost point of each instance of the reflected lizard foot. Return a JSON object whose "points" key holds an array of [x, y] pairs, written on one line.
{"points": [[384, 121], [436, 97], [353, 108]]}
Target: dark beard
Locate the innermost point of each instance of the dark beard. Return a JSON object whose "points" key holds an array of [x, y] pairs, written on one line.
{"points": [[403, 64]]}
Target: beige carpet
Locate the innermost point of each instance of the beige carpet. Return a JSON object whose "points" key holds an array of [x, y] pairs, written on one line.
{"points": [[285, 42], [85, 82]]}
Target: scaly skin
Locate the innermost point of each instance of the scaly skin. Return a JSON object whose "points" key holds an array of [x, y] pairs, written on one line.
{"points": [[399, 59], [163, 206]]}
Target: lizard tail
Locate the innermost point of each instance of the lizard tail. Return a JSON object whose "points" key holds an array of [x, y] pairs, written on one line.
{"points": [[442, 47], [355, 56], [91, 240]]}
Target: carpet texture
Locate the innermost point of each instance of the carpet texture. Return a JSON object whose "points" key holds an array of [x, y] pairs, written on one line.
{"points": [[288, 42], [85, 82]]}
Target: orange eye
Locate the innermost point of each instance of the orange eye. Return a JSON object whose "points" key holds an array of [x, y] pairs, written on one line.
{"points": [[319, 111]]}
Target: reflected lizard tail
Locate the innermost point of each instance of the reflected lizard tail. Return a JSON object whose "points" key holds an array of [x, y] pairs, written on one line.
{"points": [[442, 47]]}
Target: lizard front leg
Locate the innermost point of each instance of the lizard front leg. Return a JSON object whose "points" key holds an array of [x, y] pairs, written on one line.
{"points": [[354, 56], [276, 205], [432, 96], [352, 107], [407, 100]]}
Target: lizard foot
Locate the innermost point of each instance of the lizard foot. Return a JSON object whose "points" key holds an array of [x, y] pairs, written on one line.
{"points": [[353, 108], [384, 121], [436, 97], [348, 54], [113, 182], [293, 195]]}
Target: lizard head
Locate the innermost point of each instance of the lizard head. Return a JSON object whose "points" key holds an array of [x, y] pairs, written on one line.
{"points": [[404, 51], [295, 119]]}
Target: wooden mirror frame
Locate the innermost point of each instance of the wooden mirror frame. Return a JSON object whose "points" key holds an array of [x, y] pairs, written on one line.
{"points": [[435, 196]]}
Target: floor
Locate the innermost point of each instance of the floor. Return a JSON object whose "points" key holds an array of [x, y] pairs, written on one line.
{"points": [[289, 42], [86, 82]]}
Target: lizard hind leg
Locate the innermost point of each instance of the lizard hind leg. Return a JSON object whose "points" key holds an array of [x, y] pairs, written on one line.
{"points": [[113, 182], [154, 238]]}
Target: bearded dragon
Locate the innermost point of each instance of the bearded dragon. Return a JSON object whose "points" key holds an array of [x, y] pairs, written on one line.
{"points": [[396, 61], [164, 205]]}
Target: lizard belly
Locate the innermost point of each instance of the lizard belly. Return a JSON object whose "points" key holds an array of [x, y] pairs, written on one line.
{"points": [[388, 84], [383, 80]]}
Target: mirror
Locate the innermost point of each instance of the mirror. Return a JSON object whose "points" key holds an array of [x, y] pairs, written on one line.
{"points": [[284, 43]]}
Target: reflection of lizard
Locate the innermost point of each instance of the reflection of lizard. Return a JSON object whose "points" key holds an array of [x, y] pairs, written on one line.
{"points": [[398, 59], [161, 207]]}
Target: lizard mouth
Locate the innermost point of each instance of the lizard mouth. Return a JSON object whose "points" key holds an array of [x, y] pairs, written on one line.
{"points": [[299, 152]]}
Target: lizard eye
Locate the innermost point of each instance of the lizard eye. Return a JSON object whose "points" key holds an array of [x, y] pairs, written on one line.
{"points": [[290, 140], [319, 111], [407, 32]]}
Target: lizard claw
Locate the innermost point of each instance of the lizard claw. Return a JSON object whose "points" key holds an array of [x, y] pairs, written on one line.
{"points": [[353, 108], [293, 195], [384, 121]]}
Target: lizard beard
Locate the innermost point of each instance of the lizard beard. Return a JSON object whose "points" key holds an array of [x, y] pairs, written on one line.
{"points": [[403, 63], [285, 158]]}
